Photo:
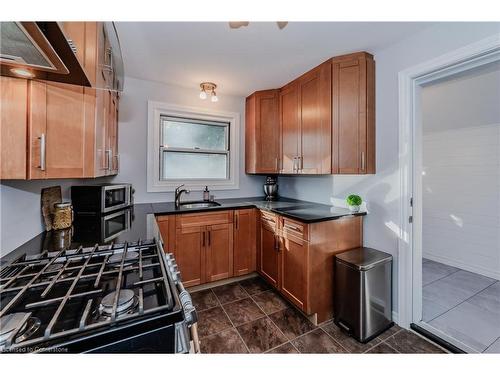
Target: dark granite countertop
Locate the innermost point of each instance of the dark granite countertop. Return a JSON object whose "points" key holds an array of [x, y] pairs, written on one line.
{"points": [[303, 211], [89, 230]]}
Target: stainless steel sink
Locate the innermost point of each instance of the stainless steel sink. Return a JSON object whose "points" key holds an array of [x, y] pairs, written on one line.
{"points": [[202, 204]]}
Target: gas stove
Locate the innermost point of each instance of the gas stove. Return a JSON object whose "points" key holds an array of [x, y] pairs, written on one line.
{"points": [[115, 298]]}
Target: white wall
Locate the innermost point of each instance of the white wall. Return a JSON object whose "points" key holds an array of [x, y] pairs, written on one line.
{"points": [[21, 216], [133, 136], [461, 166], [382, 190]]}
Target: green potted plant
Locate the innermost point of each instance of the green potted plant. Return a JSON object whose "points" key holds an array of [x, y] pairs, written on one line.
{"points": [[354, 201]]}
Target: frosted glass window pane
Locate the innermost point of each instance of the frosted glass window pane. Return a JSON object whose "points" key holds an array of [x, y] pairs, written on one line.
{"points": [[194, 135], [185, 165]]}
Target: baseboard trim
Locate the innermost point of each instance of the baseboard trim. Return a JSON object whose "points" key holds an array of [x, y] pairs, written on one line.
{"points": [[463, 266]]}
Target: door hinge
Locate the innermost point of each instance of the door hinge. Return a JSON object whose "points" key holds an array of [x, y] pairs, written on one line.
{"points": [[410, 219], [411, 202]]}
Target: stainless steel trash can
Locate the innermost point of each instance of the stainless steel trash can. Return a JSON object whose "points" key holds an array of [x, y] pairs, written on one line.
{"points": [[363, 292]]}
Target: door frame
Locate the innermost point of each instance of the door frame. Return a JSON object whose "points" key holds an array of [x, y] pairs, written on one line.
{"points": [[410, 82]]}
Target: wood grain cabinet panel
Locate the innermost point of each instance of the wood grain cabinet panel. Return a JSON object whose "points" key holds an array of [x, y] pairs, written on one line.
{"points": [[353, 98], [13, 127], [219, 252], [262, 135], [294, 258], [290, 128], [269, 254], [245, 241], [315, 120], [190, 254]]}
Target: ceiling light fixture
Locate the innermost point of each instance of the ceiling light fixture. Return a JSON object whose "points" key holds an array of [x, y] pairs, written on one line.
{"points": [[208, 87], [22, 73]]}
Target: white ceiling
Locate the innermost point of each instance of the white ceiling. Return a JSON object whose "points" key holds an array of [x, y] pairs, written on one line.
{"points": [[240, 61]]}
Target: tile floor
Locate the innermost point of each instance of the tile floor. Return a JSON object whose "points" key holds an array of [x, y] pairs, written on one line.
{"points": [[462, 304], [249, 317]]}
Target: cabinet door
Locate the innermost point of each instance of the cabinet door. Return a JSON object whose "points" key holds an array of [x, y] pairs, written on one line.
{"points": [[269, 255], [14, 99], [190, 254], [65, 130], [290, 128], [315, 120], [244, 242], [219, 252], [353, 115], [262, 132], [293, 270]]}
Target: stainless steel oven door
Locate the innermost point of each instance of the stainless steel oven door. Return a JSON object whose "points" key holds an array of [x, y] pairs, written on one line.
{"points": [[115, 224], [115, 197]]}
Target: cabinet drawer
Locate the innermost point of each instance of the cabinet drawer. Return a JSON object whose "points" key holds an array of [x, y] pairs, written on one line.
{"points": [[295, 228], [204, 218], [269, 219]]}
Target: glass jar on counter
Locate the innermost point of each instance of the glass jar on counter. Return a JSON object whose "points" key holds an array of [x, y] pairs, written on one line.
{"points": [[63, 215]]}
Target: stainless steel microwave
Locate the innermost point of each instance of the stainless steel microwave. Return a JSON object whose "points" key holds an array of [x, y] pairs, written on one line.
{"points": [[102, 198]]}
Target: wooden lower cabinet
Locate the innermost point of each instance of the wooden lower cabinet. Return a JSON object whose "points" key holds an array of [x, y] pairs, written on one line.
{"points": [[190, 254], [219, 252], [294, 256], [269, 254], [245, 242]]}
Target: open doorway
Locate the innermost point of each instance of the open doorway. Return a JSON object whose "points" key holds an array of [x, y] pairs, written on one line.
{"points": [[450, 252]]}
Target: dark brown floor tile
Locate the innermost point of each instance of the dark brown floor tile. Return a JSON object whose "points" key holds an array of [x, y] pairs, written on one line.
{"points": [[212, 321], [204, 299], [391, 331], [229, 293], [261, 335], [407, 342], [227, 341], [291, 322], [317, 341], [349, 343], [382, 348], [284, 349], [243, 311], [254, 285], [270, 301]]}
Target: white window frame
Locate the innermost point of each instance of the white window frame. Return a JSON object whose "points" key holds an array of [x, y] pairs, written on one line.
{"points": [[158, 109]]}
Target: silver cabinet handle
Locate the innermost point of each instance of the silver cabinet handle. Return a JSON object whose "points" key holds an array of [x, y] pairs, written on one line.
{"points": [[292, 227], [301, 163], [117, 157], [295, 165], [108, 160], [362, 160], [42, 151]]}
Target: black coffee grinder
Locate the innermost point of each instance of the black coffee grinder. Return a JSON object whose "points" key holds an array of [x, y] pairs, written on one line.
{"points": [[271, 188]]}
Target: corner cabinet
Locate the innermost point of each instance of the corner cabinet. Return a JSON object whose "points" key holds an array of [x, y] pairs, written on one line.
{"points": [[325, 122], [55, 130], [262, 135], [353, 94]]}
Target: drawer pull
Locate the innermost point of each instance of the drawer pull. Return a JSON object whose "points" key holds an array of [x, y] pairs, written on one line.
{"points": [[293, 227]]}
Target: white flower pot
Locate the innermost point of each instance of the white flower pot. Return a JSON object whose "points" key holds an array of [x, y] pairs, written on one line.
{"points": [[354, 208]]}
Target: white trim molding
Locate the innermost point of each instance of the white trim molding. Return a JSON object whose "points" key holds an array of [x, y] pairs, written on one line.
{"points": [[410, 81], [157, 109]]}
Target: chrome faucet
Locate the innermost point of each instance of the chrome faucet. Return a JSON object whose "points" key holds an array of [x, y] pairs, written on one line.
{"points": [[178, 193]]}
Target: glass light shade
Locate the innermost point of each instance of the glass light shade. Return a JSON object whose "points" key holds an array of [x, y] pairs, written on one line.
{"points": [[214, 97], [203, 94]]}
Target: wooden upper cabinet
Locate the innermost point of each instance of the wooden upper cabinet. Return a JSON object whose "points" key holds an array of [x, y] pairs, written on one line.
{"points": [[57, 130], [13, 127], [353, 98], [315, 120], [262, 135], [245, 241], [289, 128]]}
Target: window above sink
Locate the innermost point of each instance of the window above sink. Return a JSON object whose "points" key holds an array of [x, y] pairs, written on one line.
{"points": [[192, 146]]}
